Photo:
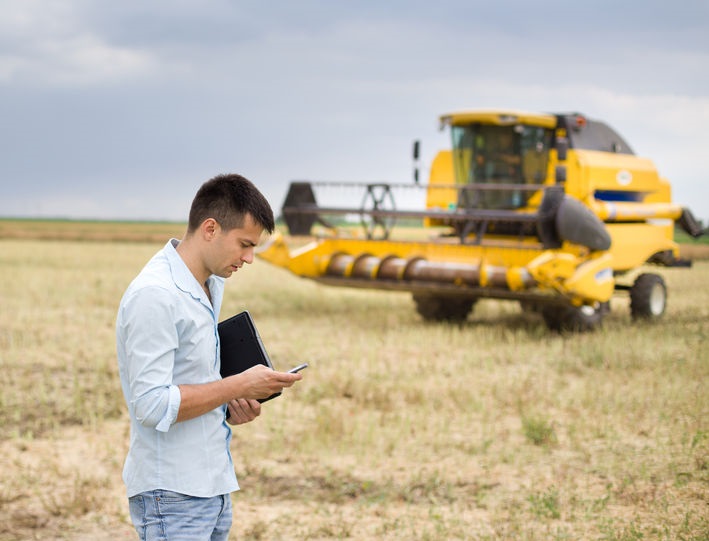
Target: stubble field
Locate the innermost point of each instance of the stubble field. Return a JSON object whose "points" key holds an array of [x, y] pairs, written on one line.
{"points": [[492, 430]]}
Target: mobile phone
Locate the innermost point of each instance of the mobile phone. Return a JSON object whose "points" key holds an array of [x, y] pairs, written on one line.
{"points": [[298, 368]]}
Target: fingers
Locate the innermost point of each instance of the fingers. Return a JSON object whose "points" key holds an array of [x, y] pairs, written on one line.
{"points": [[261, 381], [243, 410], [287, 378]]}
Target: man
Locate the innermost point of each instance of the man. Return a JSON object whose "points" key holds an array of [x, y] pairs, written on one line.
{"points": [[179, 472]]}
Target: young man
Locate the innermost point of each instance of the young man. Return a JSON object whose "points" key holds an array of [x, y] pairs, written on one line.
{"points": [[179, 472]]}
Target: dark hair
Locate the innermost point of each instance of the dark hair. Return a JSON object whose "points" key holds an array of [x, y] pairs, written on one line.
{"points": [[228, 199]]}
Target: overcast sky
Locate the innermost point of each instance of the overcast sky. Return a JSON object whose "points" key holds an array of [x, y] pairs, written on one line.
{"points": [[122, 109]]}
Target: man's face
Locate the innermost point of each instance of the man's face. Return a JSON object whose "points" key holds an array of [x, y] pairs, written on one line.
{"points": [[231, 249]]}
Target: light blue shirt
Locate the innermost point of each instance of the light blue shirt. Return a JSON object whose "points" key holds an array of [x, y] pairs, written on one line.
{"points": [[166, 335]]}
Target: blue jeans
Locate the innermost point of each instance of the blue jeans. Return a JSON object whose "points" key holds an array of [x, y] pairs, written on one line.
{"points": [[161, 515]]}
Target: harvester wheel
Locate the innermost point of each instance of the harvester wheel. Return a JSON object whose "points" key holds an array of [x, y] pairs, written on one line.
{"points": [[443, 307], [530, 307], [574, 318], [648, 297]]}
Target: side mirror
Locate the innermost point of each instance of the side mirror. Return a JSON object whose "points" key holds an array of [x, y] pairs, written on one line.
{"points": [[416, 153], [562, 146]]}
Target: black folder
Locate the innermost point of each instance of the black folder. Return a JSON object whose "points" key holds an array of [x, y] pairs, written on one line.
{"points": [[241, 346]]}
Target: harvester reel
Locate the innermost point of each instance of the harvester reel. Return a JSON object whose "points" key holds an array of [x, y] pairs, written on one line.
{"points": [[563, 218], [300, 194], [576, 223], [378, 198], [546, 226]]}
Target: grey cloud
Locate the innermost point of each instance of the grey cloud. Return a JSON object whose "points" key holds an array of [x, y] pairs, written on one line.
{"points": [[155, 94]]}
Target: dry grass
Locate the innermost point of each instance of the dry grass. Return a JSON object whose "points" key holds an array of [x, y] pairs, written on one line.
{"points": [[695, 251], [99, 231], [491, 430]]}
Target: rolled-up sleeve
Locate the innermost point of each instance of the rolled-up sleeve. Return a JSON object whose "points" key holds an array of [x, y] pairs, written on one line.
{"points": [[158, 408], [150, 338]]}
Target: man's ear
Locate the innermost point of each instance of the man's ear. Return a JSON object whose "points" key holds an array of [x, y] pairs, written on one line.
{"points": [[209, 228]]}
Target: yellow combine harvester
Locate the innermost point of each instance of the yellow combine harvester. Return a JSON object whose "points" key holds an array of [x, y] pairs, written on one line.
{"points": [[550, 210]]}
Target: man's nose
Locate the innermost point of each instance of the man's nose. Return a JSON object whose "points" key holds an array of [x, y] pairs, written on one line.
{"points": [[248, 256]]}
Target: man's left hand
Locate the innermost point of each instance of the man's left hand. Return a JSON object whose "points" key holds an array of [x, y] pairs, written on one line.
{"points": [[243, 410]]}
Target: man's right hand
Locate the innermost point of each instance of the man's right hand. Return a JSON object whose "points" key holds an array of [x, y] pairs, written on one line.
{"points": [[259, 381]]}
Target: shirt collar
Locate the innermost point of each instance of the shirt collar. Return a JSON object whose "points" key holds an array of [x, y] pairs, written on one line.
{"points": [[181, 274]]}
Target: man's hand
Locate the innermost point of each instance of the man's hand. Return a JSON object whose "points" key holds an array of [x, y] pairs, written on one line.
{"points": [[243, 411], [259, 381]]}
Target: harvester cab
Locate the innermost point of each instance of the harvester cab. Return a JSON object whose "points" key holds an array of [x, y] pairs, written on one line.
{"points": [[553, 211]]}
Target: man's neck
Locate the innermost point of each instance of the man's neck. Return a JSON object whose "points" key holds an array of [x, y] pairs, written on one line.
{"points": [[186, 250]]}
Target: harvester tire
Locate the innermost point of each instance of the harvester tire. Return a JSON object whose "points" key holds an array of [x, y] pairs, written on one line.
{"points": [[648, 297], [574, 318], [443, 307], [530, 307]]}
